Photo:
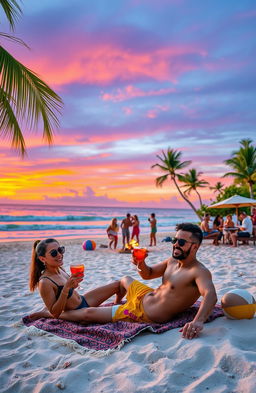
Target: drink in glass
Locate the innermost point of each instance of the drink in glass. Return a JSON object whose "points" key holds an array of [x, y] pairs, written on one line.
{"points": [[139, 254], [78, 271]]}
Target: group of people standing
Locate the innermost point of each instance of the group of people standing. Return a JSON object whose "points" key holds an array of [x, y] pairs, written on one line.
{"points": [[130, 222]]}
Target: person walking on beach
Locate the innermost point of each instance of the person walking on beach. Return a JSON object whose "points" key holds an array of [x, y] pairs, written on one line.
{"points": [[58, 289], [135, 228], [112, 232], [152, 220], [184, 280], [125, 225]]}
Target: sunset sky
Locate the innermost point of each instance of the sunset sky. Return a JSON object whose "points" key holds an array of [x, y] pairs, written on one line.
{"points": [[136, 77]]}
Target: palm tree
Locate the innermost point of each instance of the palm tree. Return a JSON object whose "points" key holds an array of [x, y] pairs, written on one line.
{"points": [[218, 187], [170, 164], [192, 182], [23, 95], [243, 163]]}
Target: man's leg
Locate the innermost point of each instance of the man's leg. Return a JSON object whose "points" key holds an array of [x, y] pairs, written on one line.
{"points": [[151, 240], [216, 240], [234, 239]]}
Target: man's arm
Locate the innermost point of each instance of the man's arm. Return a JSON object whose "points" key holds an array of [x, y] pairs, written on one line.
{"points": [[149, 272], [207, 291]]}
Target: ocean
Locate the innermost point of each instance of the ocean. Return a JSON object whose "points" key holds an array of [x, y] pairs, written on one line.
{"points": [[30, 222]]}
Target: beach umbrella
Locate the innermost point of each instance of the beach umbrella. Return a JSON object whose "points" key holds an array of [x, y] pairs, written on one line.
{"points": [[235, 201]]}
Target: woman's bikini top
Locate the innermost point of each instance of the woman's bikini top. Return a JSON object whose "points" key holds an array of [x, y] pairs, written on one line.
{"points": [[60, 288]]}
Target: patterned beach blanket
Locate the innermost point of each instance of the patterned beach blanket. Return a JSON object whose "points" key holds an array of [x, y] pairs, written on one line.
{"points": [[108, 337]]}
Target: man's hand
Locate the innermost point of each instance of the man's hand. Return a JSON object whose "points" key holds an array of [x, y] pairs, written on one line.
{"points": [[191, 329]]}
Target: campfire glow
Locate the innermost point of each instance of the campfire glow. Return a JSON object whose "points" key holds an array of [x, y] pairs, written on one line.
{"points": [[131, 245]]}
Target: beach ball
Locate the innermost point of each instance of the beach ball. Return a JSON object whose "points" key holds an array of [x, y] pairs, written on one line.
{"points": [[89, 245], [238, 304]]}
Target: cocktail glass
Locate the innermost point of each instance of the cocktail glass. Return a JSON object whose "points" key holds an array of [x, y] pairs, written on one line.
{"points": [[139, 254], [78, 271]]}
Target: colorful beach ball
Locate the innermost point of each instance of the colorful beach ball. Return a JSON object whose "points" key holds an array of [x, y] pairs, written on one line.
{"points": [[89, 245], [238, 304]]}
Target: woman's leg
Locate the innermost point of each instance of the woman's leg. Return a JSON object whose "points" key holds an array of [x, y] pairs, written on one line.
{"points": [[43, 313], [89, 315]]}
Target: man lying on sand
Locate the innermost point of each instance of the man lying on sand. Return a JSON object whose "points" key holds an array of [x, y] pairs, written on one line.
{"points": [[184, 280]]}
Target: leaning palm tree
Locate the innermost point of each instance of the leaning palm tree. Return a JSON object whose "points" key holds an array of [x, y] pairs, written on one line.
{"points": [[218, 187], [192, 183], [170, 163], [243, 163], [23, 95]]}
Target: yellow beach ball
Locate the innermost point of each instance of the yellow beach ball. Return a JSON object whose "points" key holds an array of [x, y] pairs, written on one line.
{"points": [[238, 304]]}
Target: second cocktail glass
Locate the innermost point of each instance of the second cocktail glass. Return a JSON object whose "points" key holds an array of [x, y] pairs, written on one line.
{"points": [[78, 271]]}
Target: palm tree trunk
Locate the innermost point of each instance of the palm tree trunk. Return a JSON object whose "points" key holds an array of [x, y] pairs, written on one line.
{"points": [[251, 190], [199, 197], [251, 194], [187, 200]]}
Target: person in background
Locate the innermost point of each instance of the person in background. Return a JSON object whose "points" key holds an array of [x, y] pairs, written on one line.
{"points": [[218, 224], [207, 232], [244, 231], [253, 216], [135, 228], [112, 232], [125, 225], [153, 229], [229, 223]]}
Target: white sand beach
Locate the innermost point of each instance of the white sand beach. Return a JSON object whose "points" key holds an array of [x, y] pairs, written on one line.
{"points": [[222, 359]]}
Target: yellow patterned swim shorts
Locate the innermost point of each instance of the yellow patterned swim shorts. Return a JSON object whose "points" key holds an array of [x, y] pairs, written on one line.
{"points": [[132, 310]]}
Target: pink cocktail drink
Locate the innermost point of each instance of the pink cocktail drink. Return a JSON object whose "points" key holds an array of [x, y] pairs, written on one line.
{"points": [[77, 270], [139, 253]]}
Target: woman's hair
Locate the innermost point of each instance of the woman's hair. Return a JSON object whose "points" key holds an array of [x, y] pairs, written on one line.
{"points": [[114, 224], [216, 220], [37, 266]]}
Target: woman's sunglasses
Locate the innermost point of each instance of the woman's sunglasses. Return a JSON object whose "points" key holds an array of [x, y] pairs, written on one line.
{"points": [[60, 250], [181, 242]]}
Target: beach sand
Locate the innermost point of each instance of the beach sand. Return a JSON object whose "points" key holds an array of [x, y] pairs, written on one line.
{"points": [[221, 359]]}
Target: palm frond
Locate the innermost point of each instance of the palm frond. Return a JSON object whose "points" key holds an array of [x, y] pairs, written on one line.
{"points": [[12, 11], [28, 95], [160, 180], [9, 122], [14, 39]]}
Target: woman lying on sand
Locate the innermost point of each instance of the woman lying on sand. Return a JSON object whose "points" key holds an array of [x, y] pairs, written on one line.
{"points": [[57, 288]]}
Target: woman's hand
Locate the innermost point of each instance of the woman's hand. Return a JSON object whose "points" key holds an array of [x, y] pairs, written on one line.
{"points": [[73, 281]]}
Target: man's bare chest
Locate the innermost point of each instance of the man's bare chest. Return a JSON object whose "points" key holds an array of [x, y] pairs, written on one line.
{"points": [[177, 278]]}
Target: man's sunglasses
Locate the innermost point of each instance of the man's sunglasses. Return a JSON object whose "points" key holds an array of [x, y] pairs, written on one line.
{"points": [[60, 250], [181, 242]]}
